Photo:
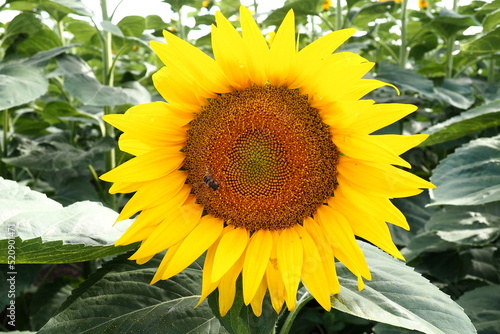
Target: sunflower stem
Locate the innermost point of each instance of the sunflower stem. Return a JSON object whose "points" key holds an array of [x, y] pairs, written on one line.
{"points": [[287, 326], [338, 15], [491, 69], [450, 42], [108, 79], [403, 51]]}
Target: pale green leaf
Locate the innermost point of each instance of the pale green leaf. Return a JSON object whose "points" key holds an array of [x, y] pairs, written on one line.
{"points": [[20, 84], [470, 175]]}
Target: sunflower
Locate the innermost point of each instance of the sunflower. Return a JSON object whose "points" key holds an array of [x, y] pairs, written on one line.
{"points": [[263, 158]]}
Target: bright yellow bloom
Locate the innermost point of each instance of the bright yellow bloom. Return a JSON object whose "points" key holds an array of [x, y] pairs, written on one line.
{"points": [[263, 158], [422, 4], [327, 4]]}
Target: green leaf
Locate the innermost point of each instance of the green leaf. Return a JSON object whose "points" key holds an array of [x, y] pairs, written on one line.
{"points": [[24, 23], [20, 84], [470, 175], [456, 93], [448, 23], [46, 232], [483, 307], [43, 40], [112, 28], [388, 329], [91, 92], [405, 79], [44, 56], [491, 20], [481, 264], [75, 7], [399, 296], [476, 119], [425, 242], [132, 25], [299, 7], [360, 17], [240, 319], [118, 298], [46, 300], [485, 44], [155, 22], [467, 225], [55, 156]]}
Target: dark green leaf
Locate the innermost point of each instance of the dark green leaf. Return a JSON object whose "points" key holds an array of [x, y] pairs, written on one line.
{"points": [[470, 176], [399, 296], [46, 300], [425, 242], [43, 56], [24, 23], [388, 329], [299, 7], [405, 79], [20, 84], [366, 14], [456, 93], [119, 298], [448, 23], [474, 226], [240, 319], [476, 119], [481, 264], [485, 44], [54, 156], [483, 307], [48, 233]]}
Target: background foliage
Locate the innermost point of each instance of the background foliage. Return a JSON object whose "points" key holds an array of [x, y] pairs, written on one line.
{"points": [[60, 72]]}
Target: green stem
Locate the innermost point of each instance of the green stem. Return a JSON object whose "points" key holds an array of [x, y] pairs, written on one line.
{"points": [[338, 15], [455, 5], [403, 52], [491, 70], [293, 314], [108, 79], [182, 33], [3, 148], [449, 56]]}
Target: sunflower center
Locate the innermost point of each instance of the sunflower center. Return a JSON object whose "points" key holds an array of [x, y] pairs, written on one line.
{"points": [[261, 158]]}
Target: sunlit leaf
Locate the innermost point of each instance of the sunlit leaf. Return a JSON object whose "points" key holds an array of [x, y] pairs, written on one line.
{"points": [[132, 25], [470, 175], [46, 232], [399, 296], [484, 44]]}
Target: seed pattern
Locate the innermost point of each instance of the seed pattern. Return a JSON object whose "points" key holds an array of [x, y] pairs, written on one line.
{"points": [[268, 152]]}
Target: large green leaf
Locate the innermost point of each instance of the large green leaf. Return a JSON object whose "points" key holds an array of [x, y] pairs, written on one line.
{"points": [[405, 79], [20, 84], [467, 225], [483, 307], [119, 299], [132, 25], [470, 175], [75, 6], [399, 296], [55, 156], [476, 119], [46, 232], [447, 23], [485, 44], [91, 92], [456, 93]]}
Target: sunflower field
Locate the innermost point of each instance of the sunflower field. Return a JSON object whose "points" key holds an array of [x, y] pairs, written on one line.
{"points": [[267, 167]]}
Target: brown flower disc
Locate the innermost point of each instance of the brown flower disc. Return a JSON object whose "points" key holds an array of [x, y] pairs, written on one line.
{"points": [[260, 158]]}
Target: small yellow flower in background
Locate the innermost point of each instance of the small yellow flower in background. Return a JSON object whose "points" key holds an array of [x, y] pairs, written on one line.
{"points": [[263, 158], [205, 3], [327, 4], [171, 28], [422, 4], [396, 1]]}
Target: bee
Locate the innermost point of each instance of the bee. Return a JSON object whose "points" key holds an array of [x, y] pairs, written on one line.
{"points": [[209, 180]]}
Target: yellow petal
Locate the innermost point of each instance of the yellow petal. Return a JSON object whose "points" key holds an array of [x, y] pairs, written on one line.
{"points": [[146, 167], [256, 259], [257, 300], [256, 50], [230, 248], [153, 193], [193, 245], [283, 52], [343, 114], [313, 273], [273, 277], [325, 252], [227, 287], [381, 115], [290, 259], [366, 147], [397, 143], [341, 238], [179, 223], [125, 187], [132, 145], [151, 217]]}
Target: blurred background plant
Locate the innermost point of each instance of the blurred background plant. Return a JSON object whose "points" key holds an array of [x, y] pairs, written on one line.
{"points": [[61, 69]]}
